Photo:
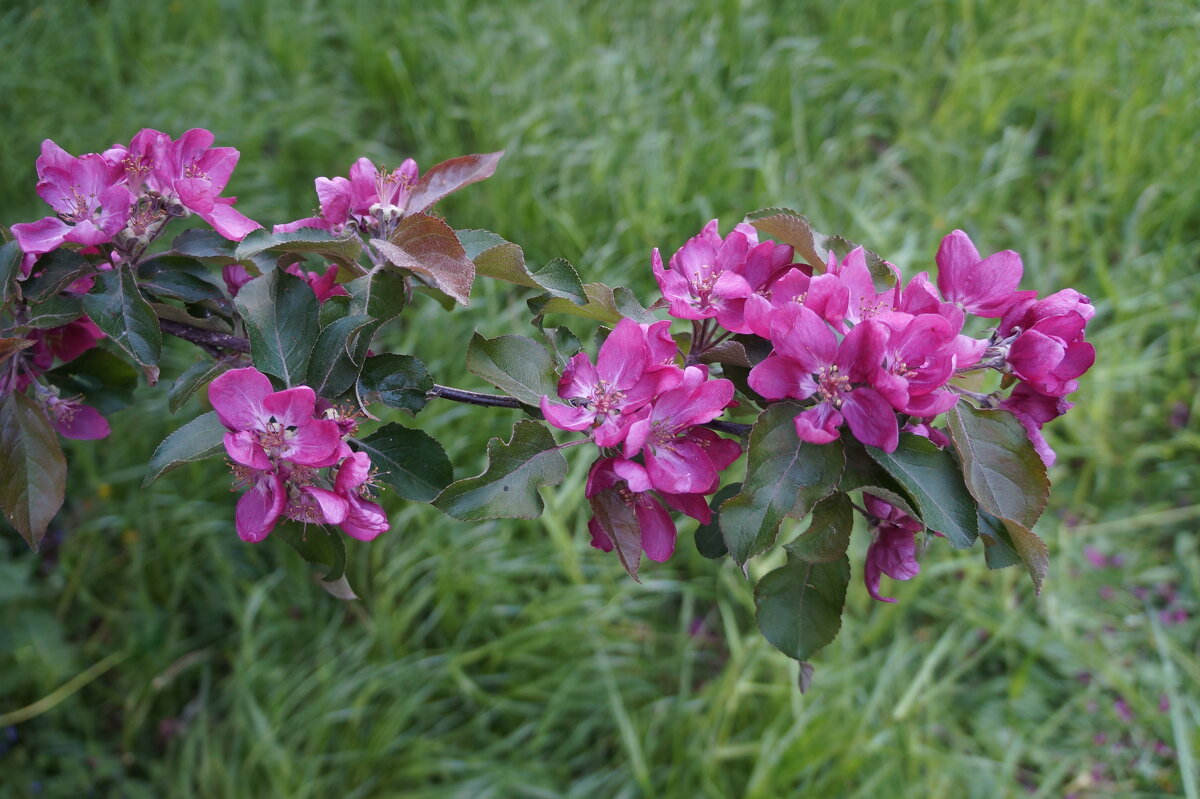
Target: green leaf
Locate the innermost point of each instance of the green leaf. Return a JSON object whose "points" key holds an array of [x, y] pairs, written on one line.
{"points": [[863, 473], [280, 312], [332, 370], [428, 247], [195, 377], [181, 279], [198, 439], [508, 487], [33, 471], [208, 245], [410, 461], [52, 273], [517, 365], [828, 536], [342, 250], [1001, 468], [448, 177], [788, 227], [560, 279], [496, 258], [57, 311], [784, 477], [478, 241], [10, 267], [934, 481], [603, 304], [709, 541], [105, 380], [318, 546], [117, 307], [998, 550], [398, 381], [380, 294], [800, 605]]}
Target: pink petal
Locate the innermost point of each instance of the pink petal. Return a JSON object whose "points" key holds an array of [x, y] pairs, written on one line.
{"points": [[237, 397], [243, 447], [871, 419], [567, 417], [259, 508], [292, 407], [317, 443], [84, 424], [658, 529]]}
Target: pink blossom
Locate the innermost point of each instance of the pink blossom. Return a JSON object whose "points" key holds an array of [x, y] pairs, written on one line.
{"points": [[235, 276], [705, 273], [986, 287], [1052, 354], [72, 419], [261, 507], [894, 549], [364, 519], [369, 197], [85, 194], [323, 284], [267, 426], [810, 361], [604, 395], [682, 458]]}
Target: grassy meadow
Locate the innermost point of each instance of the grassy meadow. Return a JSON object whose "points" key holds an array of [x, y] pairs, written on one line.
{"points": [[147, 652]]}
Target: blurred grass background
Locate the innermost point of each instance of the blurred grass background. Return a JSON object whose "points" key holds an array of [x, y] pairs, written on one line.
{"points": [[508, 659]]}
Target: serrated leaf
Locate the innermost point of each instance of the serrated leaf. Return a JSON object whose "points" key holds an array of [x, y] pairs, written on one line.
{"points": [[117, 307], [33, 471], [318, 546], [410, 461], [280, 313], [398, 381], [198, 439], [1000, 466], [450, 176], [934, 481], [998, 551], [560, 279], [603, 304], [380, 294], [331, 369], [709, 541], [342, 250], [59, 310], [204, 244], [828, 535], [11, 257], [728, 352], [789, 227], [181, 279], [784, 477], [428, 247], [517, 365], [52, 273], [800, 605], [508, 487], [195, 377]]}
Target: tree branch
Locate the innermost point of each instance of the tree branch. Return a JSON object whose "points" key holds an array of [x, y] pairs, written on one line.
{"points": [[205, 338]]}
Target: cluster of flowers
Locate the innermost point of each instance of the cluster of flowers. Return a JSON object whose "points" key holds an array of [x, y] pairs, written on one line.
{"points": [[636, 402], [858, 356], [279, 447], [371, 201], [126, 194]]}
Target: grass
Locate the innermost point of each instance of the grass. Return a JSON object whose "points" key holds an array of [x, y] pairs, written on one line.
{"points": [[507, 659]]}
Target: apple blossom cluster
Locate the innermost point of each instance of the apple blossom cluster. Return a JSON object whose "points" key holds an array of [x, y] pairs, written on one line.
{"points": [[279, 449], [126, 194], [645, 413]]}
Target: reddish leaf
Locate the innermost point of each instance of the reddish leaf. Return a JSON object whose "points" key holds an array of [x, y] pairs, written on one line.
{"points": [[11, 346], [450, 176], [428, 247], [33, 471]]}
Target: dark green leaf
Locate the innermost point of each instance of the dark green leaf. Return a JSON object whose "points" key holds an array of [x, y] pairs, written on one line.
{"points": [[398, 381], [560, 279], [379, 294], [33, 471], [333, 309], [57, 311], [864, 473], [508, 487], [11, 257], [280, 312], [52, 273], [181, 279], [934, 481], [206, 245], [428, 247], [117, 307], [828, 536], [603, 304], [517, 365], [332, 370], [195, 377], [411, 461], [709, 541], [105, 380], [318, 546], [342, 250], [800, 605], [1001, 468], [198, 439], [998, 551], [450, 176], [784, 477]]}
